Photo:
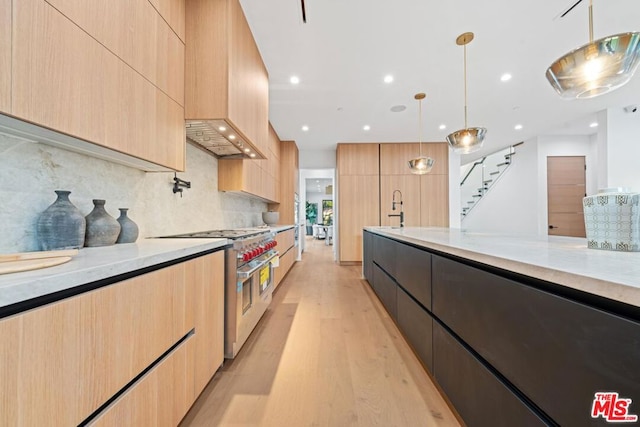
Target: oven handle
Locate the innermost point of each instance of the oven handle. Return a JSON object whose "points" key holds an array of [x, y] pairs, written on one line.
{"points": [[247, 271]]}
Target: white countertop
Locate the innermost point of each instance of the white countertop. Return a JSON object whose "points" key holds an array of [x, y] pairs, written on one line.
{"points": [[92, 264], [563, 260], [279, 228]]}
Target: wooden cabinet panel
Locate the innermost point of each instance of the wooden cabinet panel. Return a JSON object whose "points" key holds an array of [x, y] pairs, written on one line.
{"points": [[207, 275], [5, 56], [416, 325], [225, 75], [394, 158], [367, 255], [289, 182], [286, 262], [385, 254], [88, 347], [285, 239], [137, 34], [358, 159], [409, 186], [359, 207], [478, 396], [413, 272], [434, 200], [173, 11], [160, 398], [589, 349], [65, 80]]}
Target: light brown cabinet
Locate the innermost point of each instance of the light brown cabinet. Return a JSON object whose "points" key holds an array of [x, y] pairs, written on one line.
{"points": [[288, 254], [173, 12], [225, 76], [64, 78], [368, 175], [160, 398], [5, 55], [259, 178], [289, 182], [88, 347]]}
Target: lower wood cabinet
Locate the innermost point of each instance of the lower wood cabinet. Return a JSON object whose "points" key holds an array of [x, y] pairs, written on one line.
{"points": [[386, 289], [416, 325], [288, 254], [477, 395], [62, 361], [160, 398]]}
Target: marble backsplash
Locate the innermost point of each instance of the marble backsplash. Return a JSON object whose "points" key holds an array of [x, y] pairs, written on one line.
{"points": [[30, 172]]}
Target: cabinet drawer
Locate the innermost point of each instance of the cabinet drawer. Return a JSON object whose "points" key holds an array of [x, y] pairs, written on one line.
{"points": [[415, 323], [384, 254], [367, 256], [413, 272], [478, 396], [385, 288], [556, 351]]}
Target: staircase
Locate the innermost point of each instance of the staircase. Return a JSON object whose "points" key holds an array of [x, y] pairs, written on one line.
{"points": [[481, 175]]}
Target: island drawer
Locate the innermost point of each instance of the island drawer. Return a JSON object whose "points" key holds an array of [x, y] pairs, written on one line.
{"points": [[558, 352]]}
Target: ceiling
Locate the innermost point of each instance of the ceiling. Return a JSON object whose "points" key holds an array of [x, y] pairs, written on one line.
{"points": [[345, 49]]}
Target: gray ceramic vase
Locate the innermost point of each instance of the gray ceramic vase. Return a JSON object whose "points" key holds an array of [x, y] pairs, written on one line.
{"points": [[102, 228], [128, 228], [61, 225]]}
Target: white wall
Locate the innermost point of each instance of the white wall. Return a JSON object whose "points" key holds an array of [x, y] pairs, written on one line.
{"points": [[30, 172], [623, 149], [317, 159]]}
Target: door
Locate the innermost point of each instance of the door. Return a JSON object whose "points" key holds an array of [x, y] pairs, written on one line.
{"points": [[566, 186]]}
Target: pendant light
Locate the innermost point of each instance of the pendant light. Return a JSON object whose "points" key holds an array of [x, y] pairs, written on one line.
{"points": [[421, 164], [597, 67], [466, 140]]}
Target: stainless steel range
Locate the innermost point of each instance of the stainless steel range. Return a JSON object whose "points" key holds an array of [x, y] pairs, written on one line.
{"points": [[248, 280]]}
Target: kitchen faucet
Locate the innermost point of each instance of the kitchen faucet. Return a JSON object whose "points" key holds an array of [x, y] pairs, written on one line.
{"points": [[393, 207]]}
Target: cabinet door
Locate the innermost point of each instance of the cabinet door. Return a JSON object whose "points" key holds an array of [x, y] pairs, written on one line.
{"points": [[286, 262], [5, 56], [556, 351], [88, 347], [385, 252], [358, 159], [385, 288], [367, 256], [359, 207], [65, 80], [160, 398], [207, 275], [416, 325], [478, 396], [434, 200]]}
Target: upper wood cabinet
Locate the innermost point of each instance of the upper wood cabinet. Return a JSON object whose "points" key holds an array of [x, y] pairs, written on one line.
{"points": [[358, 159], [394, 157], [225, 77], [108, 78], [5, 56], [289, 182], [173, 12]]}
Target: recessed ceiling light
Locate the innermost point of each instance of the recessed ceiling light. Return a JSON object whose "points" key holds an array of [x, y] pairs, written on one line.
{"points": [[252, 155], [305, 128], [398, 108], [232, 137], [505, 77], [593, 125], [246, 150], [517, 127], [388, 78], [222, 128], [442, 127], [317, 180], [366, 127], [294, 80]]}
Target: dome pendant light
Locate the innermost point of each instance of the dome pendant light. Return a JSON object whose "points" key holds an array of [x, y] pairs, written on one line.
{"points": [[466, 140], [597, 67], [421, 164]]}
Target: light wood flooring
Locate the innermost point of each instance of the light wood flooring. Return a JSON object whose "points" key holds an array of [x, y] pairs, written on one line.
{"points": [[325, 354]]}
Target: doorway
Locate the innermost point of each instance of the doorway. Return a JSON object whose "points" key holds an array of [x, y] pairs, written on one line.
{"points": [[566, 187]]}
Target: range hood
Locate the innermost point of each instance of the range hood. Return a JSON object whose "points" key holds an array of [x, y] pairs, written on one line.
{"points": [[218, 137]]}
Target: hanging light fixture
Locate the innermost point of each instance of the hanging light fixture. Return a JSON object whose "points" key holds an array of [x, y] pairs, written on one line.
{"points": [[597, 67], [466, 140], [421, 164]]}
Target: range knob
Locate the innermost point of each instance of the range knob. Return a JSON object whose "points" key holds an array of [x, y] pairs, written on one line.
{"points": [[246, 257]]}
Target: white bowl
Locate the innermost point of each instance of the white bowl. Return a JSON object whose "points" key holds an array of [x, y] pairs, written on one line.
{"points": [[270, 218]]}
